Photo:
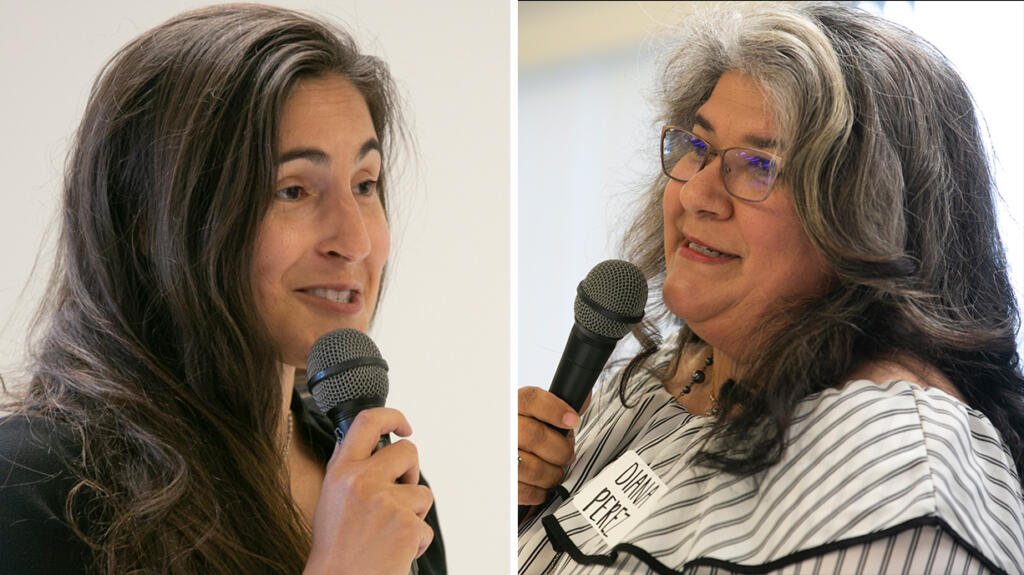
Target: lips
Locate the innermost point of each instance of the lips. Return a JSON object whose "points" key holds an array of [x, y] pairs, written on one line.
{"points": [[337, 294], [333, 295], [704, 249]]}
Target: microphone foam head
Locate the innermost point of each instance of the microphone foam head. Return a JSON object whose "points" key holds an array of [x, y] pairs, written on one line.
{"points": [[363, 371], [617, 294]]}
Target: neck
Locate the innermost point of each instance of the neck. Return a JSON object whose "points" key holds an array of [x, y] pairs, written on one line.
{"points": [[723, 368]]}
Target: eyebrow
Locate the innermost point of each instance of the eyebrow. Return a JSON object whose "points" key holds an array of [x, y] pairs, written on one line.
{"points": [[748, 139], [318, 156]]}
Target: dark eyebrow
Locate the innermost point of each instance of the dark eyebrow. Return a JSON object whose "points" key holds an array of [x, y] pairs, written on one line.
{"points": [[318, 156], [749, 139], [371, 144], [315, 155]]}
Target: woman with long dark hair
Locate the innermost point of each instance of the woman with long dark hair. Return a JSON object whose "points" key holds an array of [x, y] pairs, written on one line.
{"points": [[840, 391], [224, 206]]}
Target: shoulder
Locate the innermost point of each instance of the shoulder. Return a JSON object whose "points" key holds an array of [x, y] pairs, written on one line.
{"points": [[892, 451], [35, 480], [924, 422], [35, 472], [906, 369], [33, 447]]}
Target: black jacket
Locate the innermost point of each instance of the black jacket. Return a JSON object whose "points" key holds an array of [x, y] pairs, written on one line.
{"points": [[34, 485]]}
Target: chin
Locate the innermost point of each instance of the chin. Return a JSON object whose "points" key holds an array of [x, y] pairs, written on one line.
{"points": [[678, 296], [295, 352], [676, 302], [296, 361], [680, 301]]}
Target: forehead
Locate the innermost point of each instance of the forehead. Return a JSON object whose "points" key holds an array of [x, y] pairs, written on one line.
{"points": [[322, 106], [737, 109]]}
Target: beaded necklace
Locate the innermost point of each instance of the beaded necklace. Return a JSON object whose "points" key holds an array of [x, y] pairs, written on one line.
{"points": [[698, 376]]}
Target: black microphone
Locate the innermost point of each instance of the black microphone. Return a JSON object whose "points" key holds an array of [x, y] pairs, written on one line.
{"points": [[346, 374], [608, 302]]}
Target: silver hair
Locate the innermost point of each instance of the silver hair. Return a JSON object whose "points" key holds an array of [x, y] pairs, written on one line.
{"points": [[884, 158]]}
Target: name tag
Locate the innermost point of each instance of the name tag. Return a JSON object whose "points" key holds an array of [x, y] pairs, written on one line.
{"points": [[620, 497]]}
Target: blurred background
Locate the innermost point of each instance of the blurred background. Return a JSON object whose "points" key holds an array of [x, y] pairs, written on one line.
{"points": [[448, 288], [588, 140]]}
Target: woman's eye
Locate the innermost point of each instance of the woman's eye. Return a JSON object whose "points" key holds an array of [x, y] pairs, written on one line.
{"points": [[761, 166], [291, 193], [367, 188]]}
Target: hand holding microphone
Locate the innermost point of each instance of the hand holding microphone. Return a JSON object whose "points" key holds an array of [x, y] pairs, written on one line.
{"points": [[370, 515], [608, 302]]}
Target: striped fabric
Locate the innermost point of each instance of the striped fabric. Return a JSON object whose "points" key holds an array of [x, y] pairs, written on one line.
{"points": [[916, 551], [889, 478]]}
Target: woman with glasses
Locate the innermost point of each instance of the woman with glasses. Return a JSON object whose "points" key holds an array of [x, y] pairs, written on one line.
{"points": [[839, 390], [224, 206]]}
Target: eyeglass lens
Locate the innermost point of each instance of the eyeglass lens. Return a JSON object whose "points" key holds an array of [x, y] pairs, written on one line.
{"points": [[747, 174]]}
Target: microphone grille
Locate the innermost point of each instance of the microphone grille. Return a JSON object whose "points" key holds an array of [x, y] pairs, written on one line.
{"points": [[619, 291], [336, 348]]}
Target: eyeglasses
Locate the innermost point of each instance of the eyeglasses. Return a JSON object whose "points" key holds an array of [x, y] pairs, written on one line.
{"points": [[747, 174]]}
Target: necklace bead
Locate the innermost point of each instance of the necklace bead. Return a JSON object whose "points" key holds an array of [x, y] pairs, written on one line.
{"points": [[698, 376]]}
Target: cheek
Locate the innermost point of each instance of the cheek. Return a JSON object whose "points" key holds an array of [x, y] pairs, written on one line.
{"points": [[381, 235], [263, 265], [791, 266], [380, 247], [274, 246], [670, 205], [670, 209]]}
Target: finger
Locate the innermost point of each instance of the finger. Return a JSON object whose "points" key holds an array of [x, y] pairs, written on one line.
{"points": [[426, 536], [418, 498], [537, 472], [531, 495], [369, 425], [547, 407], [544, 442], [398, 462]]}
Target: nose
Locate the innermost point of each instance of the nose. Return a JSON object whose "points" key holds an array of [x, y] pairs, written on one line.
{"points": [[704, 195], [342, 228]]}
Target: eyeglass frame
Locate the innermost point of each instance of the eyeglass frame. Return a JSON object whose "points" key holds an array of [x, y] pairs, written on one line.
{"points": [[713, 152]]}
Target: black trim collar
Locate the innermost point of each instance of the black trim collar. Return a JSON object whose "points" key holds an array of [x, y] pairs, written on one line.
{"points": [[561, 542]]}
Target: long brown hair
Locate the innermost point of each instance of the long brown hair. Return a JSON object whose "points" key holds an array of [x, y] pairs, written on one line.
{"points": [[887, 166], [151, 350]]}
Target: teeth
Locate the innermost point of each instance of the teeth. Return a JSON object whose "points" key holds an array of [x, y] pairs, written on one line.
{"points": [[706, 251], [334, 295]]}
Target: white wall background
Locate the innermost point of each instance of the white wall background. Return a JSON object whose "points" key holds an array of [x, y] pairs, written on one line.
{"points": [[587, 138], [444, 321]]}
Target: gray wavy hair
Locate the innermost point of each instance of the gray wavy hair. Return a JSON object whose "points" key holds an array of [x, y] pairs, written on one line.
{"points": [[887, 167]]}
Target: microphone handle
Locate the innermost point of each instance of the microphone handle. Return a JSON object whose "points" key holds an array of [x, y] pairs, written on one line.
{"points": [[384, 441], [345, 413], [582, 361]]}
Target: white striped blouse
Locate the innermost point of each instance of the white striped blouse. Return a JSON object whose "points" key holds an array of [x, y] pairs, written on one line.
{"points": [[876, 478]]}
